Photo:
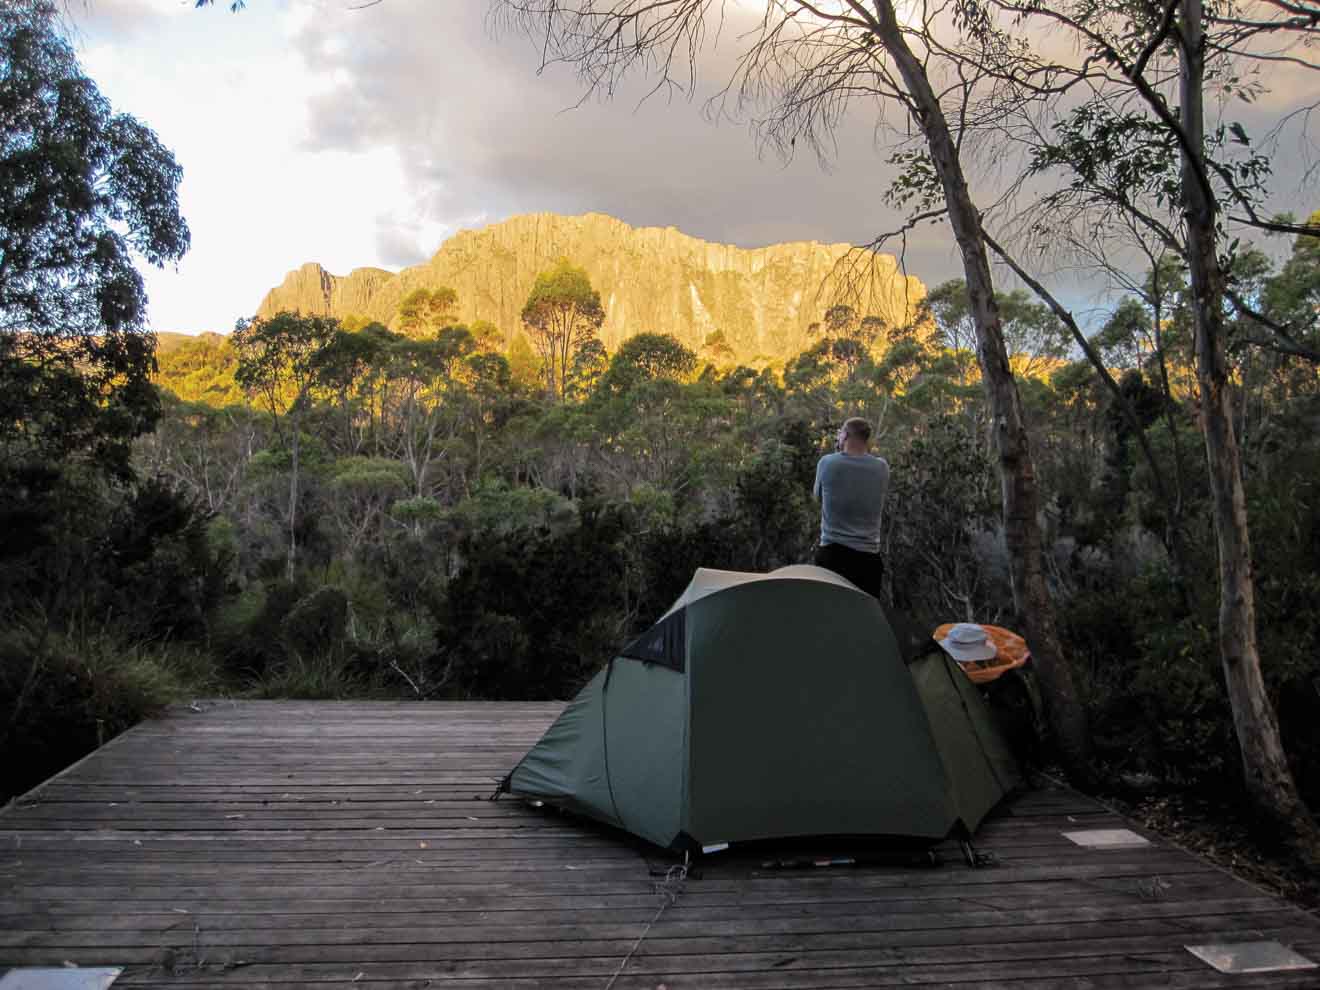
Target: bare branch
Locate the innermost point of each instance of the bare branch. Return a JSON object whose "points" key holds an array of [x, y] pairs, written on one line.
{"points": [[1284, 343], [1093, 356]]}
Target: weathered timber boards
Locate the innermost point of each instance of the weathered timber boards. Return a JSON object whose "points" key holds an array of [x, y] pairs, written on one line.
{"points": [[299, 844]]}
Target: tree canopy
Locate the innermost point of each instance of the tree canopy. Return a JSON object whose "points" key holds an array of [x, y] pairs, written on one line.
{"points": [[83, 193], [563, 312]]}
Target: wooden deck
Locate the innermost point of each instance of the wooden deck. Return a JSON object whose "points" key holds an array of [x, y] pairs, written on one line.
{"points": [[282, 844]]}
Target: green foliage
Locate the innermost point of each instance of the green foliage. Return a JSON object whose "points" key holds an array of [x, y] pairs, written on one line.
{"points": [[464, 532], [590, 363], [138, 556], [423, 312], [62, 694], [168, 570], [1119, 340], [339, 359], [1034, 337], [247, 630], [1154, 686], [502, 511], [200, 370], [1119, 155], [316, 624], [647, 357], [82, 190], [525, 365], [940, 527], [369, 474], [417, 511], [562, 313], [531, 614], [321, 677], [916, 186], [1284, 503], [1292, 297], [773, 500], [280, 359]]}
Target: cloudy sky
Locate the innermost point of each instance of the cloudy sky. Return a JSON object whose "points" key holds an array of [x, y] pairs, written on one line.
{"points": [[311, 131]]}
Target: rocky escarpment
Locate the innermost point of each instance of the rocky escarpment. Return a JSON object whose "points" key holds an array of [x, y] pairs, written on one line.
{"points": [[650, 279]]}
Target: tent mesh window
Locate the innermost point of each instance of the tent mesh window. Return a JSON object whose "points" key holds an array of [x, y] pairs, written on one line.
{"points": [[664, 643]]}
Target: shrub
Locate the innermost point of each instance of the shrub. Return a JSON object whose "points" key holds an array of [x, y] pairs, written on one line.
{"points": [[320, 677], [63, 694], [247, 637], [316, 624], [531, 616], [165, 572]]}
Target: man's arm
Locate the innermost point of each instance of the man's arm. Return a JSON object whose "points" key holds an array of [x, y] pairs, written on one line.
{"points": [[815, 489]]}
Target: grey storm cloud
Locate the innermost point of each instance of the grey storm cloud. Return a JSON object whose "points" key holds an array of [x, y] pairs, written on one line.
{"points": [[479, 130], [397, 244]]}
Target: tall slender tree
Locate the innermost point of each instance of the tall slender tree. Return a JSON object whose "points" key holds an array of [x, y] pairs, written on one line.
{"points": [[1136, 151], [1268, 776], [278, 363], [563, 312]]}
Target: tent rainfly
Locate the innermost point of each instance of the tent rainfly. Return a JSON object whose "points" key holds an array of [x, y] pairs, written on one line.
{"points": [[767, 706]]}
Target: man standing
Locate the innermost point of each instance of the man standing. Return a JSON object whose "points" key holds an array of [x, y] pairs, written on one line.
{"points": [[851, 485]]}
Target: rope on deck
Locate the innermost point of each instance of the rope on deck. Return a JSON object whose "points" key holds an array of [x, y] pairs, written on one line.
{"points": [[668, 889]]}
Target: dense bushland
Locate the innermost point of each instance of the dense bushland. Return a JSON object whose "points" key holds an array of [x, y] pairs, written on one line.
{"points": [[398, 515]]}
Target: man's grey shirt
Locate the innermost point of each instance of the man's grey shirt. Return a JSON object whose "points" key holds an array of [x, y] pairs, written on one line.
{"points": [[851, 489]]}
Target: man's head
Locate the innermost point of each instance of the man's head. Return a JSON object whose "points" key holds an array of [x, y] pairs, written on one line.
{"points": [[854, 435]]}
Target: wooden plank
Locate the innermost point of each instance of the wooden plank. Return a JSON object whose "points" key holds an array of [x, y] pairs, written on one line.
{"points": [[271, 844], [711, 907], [885, 965], [769, 917], [959, 930]]}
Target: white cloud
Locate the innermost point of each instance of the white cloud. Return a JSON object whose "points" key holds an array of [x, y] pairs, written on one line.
{"points": [[308, 131], [311, 131]]}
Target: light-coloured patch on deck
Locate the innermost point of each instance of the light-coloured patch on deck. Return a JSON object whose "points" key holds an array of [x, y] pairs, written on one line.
{"points": [[63, 978], [1250, 957], [1106, 838]]}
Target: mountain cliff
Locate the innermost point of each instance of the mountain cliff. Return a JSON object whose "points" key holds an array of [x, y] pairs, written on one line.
{"points": [[650, 279]]}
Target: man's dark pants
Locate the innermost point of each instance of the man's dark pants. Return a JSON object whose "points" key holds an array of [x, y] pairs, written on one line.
{"points": [[866, 570]]}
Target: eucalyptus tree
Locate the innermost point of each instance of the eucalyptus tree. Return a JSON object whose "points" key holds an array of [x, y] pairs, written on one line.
{"points": [[1124, 126], [279, 365], [1291, 297], [361, 493], [201, 450], [84, 193], [562, 315], [425, 312], [348, 367], [652, 421], [489, 384], [415, 373]]}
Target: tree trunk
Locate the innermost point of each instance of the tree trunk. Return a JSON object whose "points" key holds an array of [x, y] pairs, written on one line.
{"points": [[293, 505], [1018, 473], [1268, 778], [1174, 528]]}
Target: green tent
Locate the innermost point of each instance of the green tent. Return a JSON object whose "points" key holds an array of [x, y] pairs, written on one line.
{"points": [[766, 706]]}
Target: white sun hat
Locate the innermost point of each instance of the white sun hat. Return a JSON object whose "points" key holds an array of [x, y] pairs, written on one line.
{"points": [[967, 642]]}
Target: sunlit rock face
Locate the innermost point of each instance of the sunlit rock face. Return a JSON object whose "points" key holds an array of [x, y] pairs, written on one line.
{"points": [[650, 280]]}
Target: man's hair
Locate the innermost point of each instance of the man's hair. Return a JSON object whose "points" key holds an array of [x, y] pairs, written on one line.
{"points": [[857, 427]]}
